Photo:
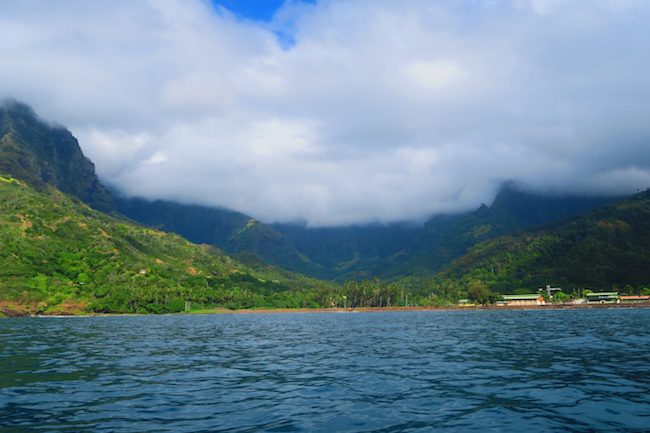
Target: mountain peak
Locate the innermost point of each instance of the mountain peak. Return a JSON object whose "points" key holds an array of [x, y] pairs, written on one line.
{"points": [[14, 105], [41, 154], [530, 208]]}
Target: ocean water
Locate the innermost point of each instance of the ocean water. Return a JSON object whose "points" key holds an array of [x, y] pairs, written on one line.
{"points": [[505, 371]]}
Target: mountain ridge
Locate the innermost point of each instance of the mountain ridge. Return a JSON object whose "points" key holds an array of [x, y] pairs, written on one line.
{"points": [[43, 154], [355, 252]]}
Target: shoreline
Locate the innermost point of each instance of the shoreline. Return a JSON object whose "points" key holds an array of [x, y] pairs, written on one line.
{"points": [[215, 311], [416, 309]]}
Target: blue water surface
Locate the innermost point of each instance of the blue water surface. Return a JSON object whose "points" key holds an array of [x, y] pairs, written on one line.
{"points": [[512, 371]]}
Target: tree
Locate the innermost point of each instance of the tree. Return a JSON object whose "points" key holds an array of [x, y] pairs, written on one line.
{"points": [[478, 292], [560, 297]]}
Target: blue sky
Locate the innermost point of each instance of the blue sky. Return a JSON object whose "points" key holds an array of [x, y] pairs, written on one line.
{"points": [[258, 10], [262, 12]]}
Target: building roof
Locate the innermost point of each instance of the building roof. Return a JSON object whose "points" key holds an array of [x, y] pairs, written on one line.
{"points": [[601, 294], [636, 297], [525, 297]]}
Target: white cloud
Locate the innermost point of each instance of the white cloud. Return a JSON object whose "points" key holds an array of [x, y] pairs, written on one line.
{"points": [[433, 77], [376, 111]]}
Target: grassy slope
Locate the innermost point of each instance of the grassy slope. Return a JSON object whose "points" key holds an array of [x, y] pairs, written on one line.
{"points": [[605, 248], [60, 255]]}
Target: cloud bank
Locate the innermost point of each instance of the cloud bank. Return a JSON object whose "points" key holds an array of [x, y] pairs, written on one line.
{"points": [[342, 112]]}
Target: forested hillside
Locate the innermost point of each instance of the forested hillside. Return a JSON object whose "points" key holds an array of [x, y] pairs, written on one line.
{"points": [[59, 255], [604, 249], [228, 230]]}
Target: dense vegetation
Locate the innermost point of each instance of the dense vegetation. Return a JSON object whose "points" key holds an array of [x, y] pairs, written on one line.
{"points": [[604, 249], [60, 255]]}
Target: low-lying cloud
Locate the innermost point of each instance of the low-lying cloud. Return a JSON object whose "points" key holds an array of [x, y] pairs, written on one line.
{"points": [[342, 111]]}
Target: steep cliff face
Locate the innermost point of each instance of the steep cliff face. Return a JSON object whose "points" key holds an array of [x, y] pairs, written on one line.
{"points": [[40, 153]]}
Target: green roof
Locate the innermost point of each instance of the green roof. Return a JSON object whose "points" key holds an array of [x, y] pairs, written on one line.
{"points": [[602, 294], [528, 296]]}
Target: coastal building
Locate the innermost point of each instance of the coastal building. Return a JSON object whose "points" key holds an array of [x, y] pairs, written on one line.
{"points": [[635, 299], [602, 298], [526, 299]]}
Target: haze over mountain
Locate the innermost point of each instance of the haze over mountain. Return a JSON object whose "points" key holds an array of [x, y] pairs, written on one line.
{"points": [[339, 112], [42, 154]]}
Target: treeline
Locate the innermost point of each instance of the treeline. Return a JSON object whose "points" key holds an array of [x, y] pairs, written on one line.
{"points": [[406, 292], [243, 291], [235, 291], [371, 293]]}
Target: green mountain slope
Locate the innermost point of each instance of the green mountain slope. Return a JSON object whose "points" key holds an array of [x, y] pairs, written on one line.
{"points": [[447, 237], [352, 252], [41, 154], [340, 253], [606, 248], [231, 231], [60, 255], [398, 250]]}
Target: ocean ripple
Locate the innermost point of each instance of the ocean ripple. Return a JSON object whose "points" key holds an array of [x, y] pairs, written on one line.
{"points": [[533, 371]]}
